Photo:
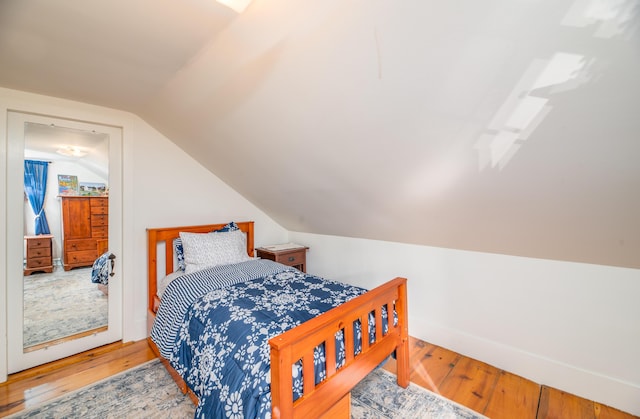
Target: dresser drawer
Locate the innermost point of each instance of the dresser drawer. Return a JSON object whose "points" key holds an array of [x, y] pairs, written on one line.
{"points": [[38, 252], [84, 257], [98, 220], [99, 202], [99, 210], [100, 231], [79, 245]]}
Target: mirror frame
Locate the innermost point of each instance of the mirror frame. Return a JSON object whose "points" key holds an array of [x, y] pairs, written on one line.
{"points": [[17, 359]]}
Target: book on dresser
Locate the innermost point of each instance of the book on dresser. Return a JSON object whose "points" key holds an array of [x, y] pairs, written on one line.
{"points": [[85, 228]]}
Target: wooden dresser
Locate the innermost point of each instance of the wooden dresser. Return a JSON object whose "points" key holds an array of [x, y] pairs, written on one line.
{"points": [[85, 227], [39, 254]]}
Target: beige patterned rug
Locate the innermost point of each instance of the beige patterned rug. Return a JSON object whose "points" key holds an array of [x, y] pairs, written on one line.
{"points": [[61, 304], [148, 391]]}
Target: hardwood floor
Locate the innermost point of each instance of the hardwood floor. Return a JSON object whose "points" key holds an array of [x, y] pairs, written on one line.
{"points": [[494, 392], [39, 384], [479, 386]]}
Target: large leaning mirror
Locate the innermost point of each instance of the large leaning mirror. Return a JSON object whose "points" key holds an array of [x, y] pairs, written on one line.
{"points": [[66, 239]]}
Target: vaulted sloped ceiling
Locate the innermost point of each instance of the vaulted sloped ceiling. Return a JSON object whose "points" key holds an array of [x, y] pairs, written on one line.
{"points": [[500, 126]]}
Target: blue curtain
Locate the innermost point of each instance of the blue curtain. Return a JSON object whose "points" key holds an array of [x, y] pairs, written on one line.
{"points": [[35, 187]]}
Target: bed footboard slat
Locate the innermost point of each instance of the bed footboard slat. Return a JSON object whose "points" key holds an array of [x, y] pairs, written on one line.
{"points": [[308, 373], [365, 329], [349, 342], [330, 357], [378, 317]]}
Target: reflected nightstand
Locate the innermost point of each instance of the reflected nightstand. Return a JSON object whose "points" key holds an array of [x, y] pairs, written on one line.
{"points": [[39, 254]]}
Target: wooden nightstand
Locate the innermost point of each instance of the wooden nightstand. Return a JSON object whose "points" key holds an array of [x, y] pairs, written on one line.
{"points": [[39, 254], [292, 256]]}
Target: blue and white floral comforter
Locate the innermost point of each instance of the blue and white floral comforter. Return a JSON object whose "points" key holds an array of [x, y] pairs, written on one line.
{"points": [[220, 346]]}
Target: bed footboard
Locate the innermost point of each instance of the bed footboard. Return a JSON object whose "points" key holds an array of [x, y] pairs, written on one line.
{"points": [[332, 394]]}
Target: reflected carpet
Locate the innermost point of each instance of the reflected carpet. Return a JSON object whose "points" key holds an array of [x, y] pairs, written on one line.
{"points": [[147, 391], [61, 304]]}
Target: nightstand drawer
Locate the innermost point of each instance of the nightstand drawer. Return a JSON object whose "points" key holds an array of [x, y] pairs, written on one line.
{"points": [[38, 252], [33, 243], [41, 262], [291, 259]]}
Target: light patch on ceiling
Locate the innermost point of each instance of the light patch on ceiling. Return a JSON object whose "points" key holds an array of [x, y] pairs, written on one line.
{"points": [[609, 17], [71, 151], [524, 109], [237, 5]]}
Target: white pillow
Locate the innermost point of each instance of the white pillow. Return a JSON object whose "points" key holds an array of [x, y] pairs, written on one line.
{"points": [[206, 250]]}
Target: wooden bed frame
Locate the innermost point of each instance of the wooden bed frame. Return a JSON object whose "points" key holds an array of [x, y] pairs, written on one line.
{"points": [[332, 397]]}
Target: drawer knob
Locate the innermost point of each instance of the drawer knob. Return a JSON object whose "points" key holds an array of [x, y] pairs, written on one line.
{"points": [[292, 258]]}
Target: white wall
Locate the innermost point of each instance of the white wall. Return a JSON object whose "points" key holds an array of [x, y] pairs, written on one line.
{"points": [[571, 326], [162, 186]]}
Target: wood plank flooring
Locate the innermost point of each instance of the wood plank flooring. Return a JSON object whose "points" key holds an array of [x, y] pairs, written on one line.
{"points": [[493, 392], [479, 386], [36, 385]]}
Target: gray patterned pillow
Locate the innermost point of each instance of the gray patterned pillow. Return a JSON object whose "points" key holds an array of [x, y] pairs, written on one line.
{"points": [[179, 252], [206, 250]]}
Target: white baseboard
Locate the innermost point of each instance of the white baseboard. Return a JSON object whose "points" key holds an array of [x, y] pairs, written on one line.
{"points": [[588, 384]]}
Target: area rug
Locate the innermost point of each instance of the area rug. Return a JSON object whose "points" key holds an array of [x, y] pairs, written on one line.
{"points": [[378, 396], [61, 304], [147, 391]]}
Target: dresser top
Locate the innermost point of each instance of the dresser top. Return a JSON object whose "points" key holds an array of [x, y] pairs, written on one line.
{"points": [[39, 236]]}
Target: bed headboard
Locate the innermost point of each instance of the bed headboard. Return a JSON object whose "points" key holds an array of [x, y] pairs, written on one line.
{"points": [[156, 236]]}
